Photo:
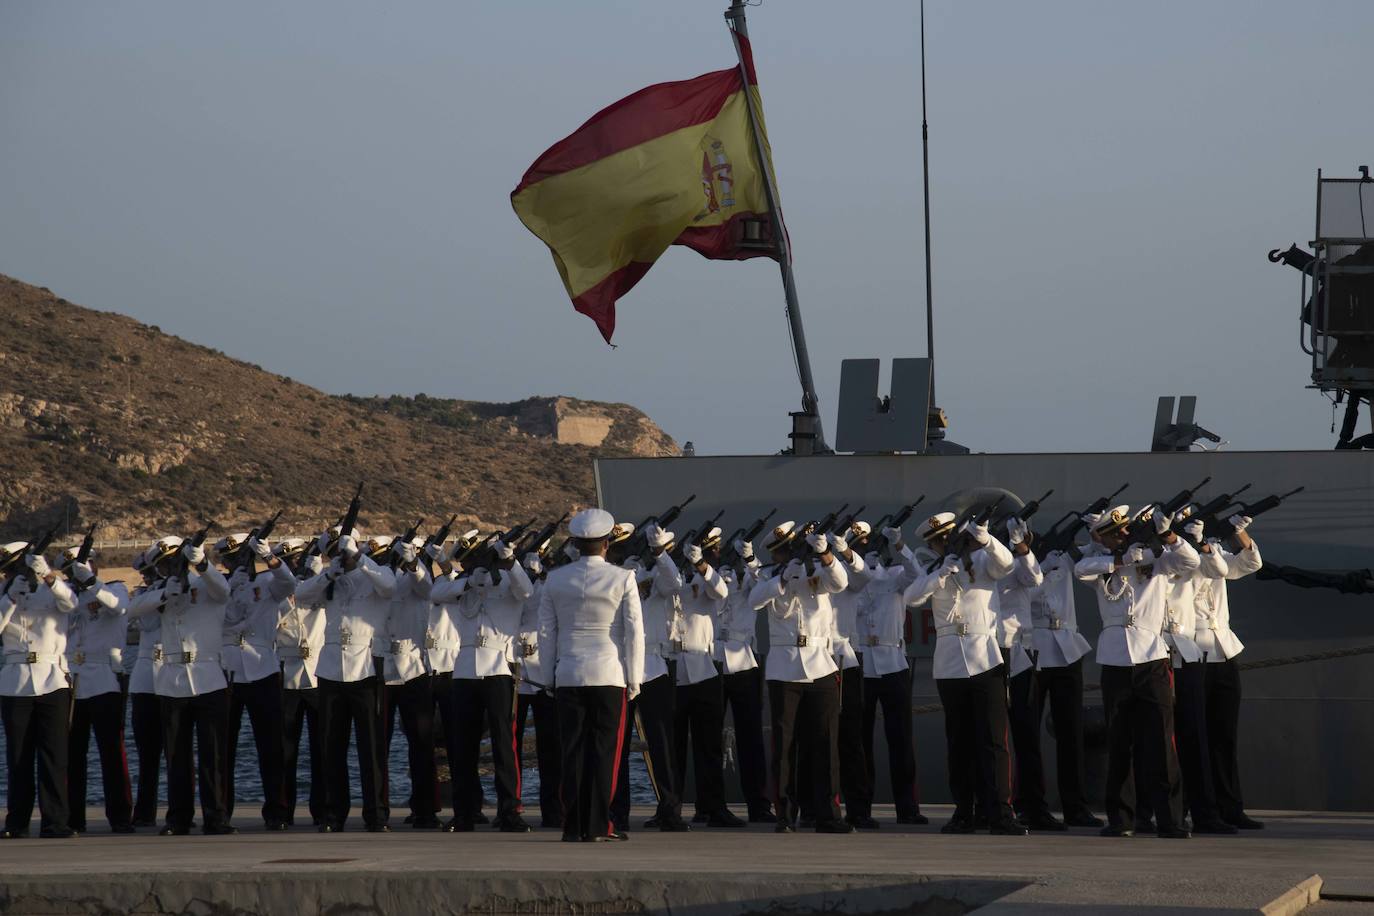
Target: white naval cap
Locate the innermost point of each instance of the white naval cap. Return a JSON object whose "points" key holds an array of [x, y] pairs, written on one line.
{"points": [[938, 524], [231, 542], [164, 547], [782, 534], [287, 547], [621, 531], [1113, 519], [711, 538], [11, 551], [591, 524], [863, 529]]}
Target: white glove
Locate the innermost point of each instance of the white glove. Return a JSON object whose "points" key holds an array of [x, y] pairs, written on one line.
{"points": [[435, 552], [1133, 555], [893, 536], [744, 548], [839, 544], [656, 536], [1193, 528], [502, 551], [818, 541], [194, 554], [83, 574], [1016, 530], [260, 547], [571, 552], [1162, 521], [314, 565], [322, 544], [950, 567], [37, 565], [978, 532], [692, 554], [1240, 522], [407, 553], [348, 546], [632, 691], [532, 563], [334, 570]]}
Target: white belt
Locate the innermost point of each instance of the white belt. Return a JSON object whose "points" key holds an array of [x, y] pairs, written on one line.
{"points": [[1172, 626], [737, 635], [32, 658], [491, 642], [152, 652], [349, 642], [116, 656], [186, 658], [670, 648], [295, 652], [963, 629], [1057, 624], [446, 644], [803, 641], [876, 641], [1125, 620]]}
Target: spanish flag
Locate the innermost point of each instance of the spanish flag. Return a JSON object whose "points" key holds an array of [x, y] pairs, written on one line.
{"points": [[673, 164]]}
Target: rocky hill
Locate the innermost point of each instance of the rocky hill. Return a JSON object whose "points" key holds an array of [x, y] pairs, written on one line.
{"points": [[105, 420]]}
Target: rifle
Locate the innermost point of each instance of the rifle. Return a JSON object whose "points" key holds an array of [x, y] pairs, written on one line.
{"points": [[1267, 504], [1142, 529], [638, 545], [1032, 507], [197, 539], [32, 547], [1207, 512], [891, 520], [393, 557], [1057, 539], [83, 554], [262, 533], [436, 538], [728, 555], [827, 523], [959, 542], [350, 518], [543, 535], [843, 525]]}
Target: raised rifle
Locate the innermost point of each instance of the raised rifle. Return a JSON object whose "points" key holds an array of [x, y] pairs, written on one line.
{"points": [[36, 548], [83, 554], [350, 519], [892, 520], [533, 542], [393, 554], [197, 540], [960, 543], [728, 554], [827, 523], [436, 539], [1032, 507], [1142, 529], [1058, 538], [1268, 504], [843, 525], [638, 545], [1208, 512], [261, 533]]}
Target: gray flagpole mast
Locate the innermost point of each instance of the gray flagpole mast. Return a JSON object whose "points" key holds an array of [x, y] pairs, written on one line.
{"points": [[925, 178], [810, 403]]}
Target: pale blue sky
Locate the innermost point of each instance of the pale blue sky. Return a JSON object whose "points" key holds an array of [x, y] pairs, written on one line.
{"points": [[322, 188]]}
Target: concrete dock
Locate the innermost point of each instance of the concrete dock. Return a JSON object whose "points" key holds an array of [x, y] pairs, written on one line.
{"points": [[1301, 860]]}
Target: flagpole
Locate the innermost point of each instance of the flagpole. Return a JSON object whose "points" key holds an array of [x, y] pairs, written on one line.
{"points": [[925, 178], [734, 16]]}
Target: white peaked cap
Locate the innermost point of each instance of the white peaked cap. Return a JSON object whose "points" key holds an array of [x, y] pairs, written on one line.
{"points": [[936, 525], [591, 524]]}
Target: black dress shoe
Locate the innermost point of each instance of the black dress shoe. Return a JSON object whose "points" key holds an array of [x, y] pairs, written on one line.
{"points": [[145, 822], [1244, 822], [122, 828], [571, 838], [1008, 827], [410, 819], [459, 825], [762, 817], [958, 824], [1220, 828], [1117, 830], [169, 830], [275, 826], [805, 823], [863, 822], [725, 818], [1083, 819], [480, 818], [425, 823], [834, 827], [57, 833], [781, 826], [673, 825], [513, 824], [1145, 826], [917, 818], [220, 830], [653, 823], [331, 827], [699, 817], [8, 834], [551, 823], [377, 828], [1044, 821], [612, 837], [1173, 833]]}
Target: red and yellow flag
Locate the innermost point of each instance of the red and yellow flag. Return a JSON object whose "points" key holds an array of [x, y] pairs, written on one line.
{"points": [[673, 164]]}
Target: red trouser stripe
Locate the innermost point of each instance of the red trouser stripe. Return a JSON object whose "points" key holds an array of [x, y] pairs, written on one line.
{"points": [[615, 761]]}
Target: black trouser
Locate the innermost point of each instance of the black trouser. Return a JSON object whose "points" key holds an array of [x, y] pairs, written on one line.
{"points": [[652, 712], [485, 702], [205, 715], [1139, 705], [856, 781], [448, 724], [146, 716], [262, 700], [805, 724], [1064, 689], [1223, 725], [547, 752], [893, 691], [592, 724], [1194, 755], [354, 706], [699, 719], [744, 696], [1023, 720], [301, 709], [414, 701], [976, 732], [36, 732], [103, 715]]}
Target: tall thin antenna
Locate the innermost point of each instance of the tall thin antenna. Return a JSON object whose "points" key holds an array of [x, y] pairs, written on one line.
{"points": [[925, 175]]}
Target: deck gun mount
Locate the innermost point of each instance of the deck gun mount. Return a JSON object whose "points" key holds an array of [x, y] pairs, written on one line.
{"points": [[1336, 297]]}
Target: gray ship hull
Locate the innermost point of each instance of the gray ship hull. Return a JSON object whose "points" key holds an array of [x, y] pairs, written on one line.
{"points": [[1307, 729]]}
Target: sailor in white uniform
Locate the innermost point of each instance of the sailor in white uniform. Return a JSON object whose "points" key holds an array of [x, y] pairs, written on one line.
{"points": [[300, 636]]}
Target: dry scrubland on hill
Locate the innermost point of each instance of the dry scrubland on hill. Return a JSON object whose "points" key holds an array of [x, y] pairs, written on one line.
{"points": [[106, 420]]}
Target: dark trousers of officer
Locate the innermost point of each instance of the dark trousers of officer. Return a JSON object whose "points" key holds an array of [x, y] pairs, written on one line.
{"points": [[547, 751], [485, 702], [592, 722], [1139, 705], [653, 715], [893, 691], [744, 696], [699, 721], [1063, 688], [1023, 720], [103, 715], [36, 732], [856, 783], [1194, 755], [262, 700], [354, 706], [301, 711], [1223, 726], [203, 718], [414, 702], [976, 732], [146, 716], [805, 724]]}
